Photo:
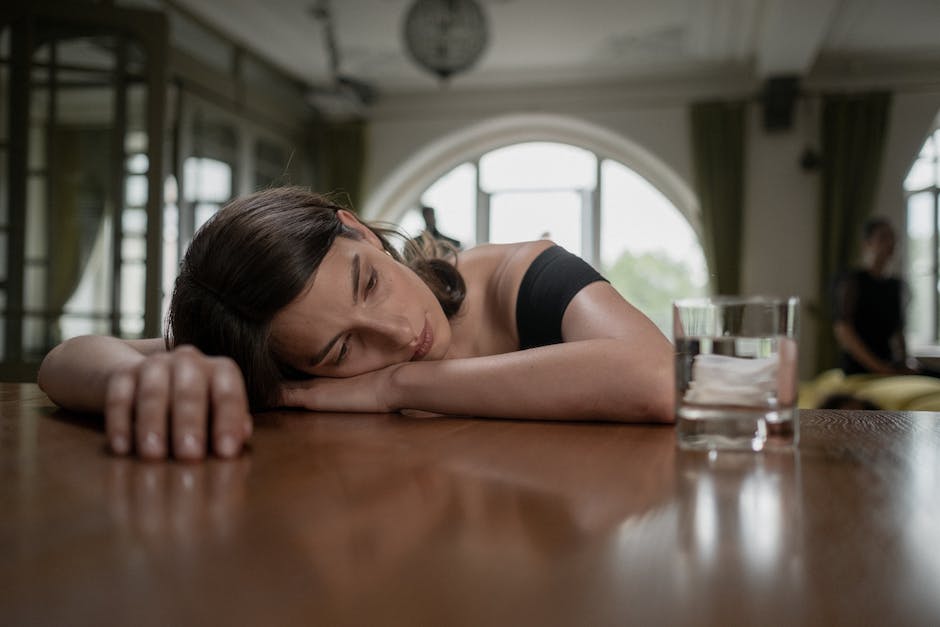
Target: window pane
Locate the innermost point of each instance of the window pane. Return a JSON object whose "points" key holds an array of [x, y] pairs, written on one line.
{"points": [[919, 263], [137, 164], [34, 336], [929, 148], [170, 251], [411, 223], [133, 249], [524, 216], [204, 211], [36, 220], [76, 324], [922, 174], [135, 190], [133, 280], [134, 222], [648, 249], [132, 326], [206, 180], [34, 287], [94, 52], [538, 165], [37, 144], [453, 197], [93, 293]]}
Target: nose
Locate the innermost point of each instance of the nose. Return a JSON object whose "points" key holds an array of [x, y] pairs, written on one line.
{"points": [[393, 328]]}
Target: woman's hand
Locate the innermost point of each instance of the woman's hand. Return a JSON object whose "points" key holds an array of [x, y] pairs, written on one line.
{"points": [[169, 402], [366, 393]]}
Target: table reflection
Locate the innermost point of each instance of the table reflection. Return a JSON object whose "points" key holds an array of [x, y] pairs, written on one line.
{"points": [[455, 511], [741, 515], [181, 504]]}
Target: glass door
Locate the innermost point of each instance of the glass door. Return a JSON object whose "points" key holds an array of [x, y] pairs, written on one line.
{"points": [[83, 157]]}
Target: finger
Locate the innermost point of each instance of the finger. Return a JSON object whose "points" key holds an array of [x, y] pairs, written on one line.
{"points": [[153, 394], [190, 405], [118, 412], [231, 421]]}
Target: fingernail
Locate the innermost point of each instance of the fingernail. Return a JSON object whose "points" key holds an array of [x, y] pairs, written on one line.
{"points": [[227, 446], [119, 444], [190, 446], [152, 444]]}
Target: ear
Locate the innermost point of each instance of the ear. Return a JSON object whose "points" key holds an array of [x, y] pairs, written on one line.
{"points": [[350, 221]]}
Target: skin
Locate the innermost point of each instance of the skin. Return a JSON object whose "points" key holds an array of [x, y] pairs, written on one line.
{"points": [[877, 252], [395, 350]]}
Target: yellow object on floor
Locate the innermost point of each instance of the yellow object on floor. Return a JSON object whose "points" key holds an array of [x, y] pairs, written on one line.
{"points": [[892, 392]]}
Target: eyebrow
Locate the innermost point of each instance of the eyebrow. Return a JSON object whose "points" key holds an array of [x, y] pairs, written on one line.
{"points": [[354, 277]]}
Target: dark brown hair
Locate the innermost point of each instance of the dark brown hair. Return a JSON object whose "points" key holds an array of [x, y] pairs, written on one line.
{"points": [[257, 255]]}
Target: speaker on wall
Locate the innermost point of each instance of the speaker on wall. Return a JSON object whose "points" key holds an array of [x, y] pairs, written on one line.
{"points": [[778, 98]]}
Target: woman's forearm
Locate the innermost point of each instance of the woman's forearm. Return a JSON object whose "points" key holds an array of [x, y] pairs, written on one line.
{"points": [[75, 373], [588, 380]]}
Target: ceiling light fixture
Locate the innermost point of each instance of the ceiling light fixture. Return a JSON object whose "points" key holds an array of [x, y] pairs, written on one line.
{"points": [[445, 37]]}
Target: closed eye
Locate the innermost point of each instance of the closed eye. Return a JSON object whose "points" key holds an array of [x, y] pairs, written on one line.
{"points": [[343, 351]]}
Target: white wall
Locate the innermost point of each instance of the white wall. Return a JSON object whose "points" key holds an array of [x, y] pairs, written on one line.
{"points": [[780, 245], [781, 224]]}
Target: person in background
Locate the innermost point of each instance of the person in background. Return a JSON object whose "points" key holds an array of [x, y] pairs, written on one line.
{"points": [[869, 308], [430, 227]]}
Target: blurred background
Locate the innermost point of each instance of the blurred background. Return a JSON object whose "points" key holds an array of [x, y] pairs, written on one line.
{"points": [[683, 147]]}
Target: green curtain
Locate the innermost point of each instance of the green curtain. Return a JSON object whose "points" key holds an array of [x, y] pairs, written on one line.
{"points": [[852, 141], [79, 181], [718, 166], [340, 159]]}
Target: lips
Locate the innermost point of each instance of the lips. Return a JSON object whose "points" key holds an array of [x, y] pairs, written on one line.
{"points": [[425, 341]]}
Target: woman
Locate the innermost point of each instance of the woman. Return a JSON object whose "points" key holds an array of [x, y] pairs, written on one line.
{"points": [[286, 299]]}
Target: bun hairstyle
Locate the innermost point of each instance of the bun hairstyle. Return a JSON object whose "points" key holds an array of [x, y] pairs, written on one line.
{"points": [[254, 257]]}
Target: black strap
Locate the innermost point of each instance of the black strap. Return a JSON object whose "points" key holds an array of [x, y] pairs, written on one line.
{"points": [[549, 284]]}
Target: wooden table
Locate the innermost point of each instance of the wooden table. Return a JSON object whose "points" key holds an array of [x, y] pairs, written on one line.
{"points": [[387, 520]]}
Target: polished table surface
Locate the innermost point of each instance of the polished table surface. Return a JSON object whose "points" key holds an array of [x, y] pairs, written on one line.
{"points": [[389, 520]]}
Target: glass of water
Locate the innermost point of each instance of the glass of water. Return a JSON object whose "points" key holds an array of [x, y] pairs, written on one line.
{"points": [[736, 372]]}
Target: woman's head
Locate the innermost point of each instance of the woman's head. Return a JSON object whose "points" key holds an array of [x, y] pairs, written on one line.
{"points": [[268, 282]]}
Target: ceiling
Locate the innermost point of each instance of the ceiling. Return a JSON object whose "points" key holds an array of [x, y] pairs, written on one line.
{"points": [[539, 42]]}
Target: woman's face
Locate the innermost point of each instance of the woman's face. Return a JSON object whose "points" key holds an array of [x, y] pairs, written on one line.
{"points": [[362, 311]]}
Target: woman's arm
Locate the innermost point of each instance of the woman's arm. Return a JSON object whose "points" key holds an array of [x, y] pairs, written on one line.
{"points": [[614, 365], [75, 373], [150, 396]]}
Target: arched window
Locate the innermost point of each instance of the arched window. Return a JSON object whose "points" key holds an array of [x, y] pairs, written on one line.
{"points": [[594, 206]]}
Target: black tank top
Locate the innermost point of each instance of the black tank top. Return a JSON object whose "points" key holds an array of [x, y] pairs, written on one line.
{"points": [[549, 284]]}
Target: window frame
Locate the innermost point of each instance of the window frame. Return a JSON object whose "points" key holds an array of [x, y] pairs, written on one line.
{"points": [[933, 338]]}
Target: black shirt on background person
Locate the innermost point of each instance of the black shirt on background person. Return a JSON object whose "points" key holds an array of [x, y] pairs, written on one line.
{"points": [[869, 308], [872, 305]]}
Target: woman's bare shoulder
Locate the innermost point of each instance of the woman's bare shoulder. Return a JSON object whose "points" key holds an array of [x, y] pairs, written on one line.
{"points": [[504, 257], [500, 266]]}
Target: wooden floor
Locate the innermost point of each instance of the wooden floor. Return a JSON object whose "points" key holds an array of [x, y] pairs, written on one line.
{"points": [[388, 520]]}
